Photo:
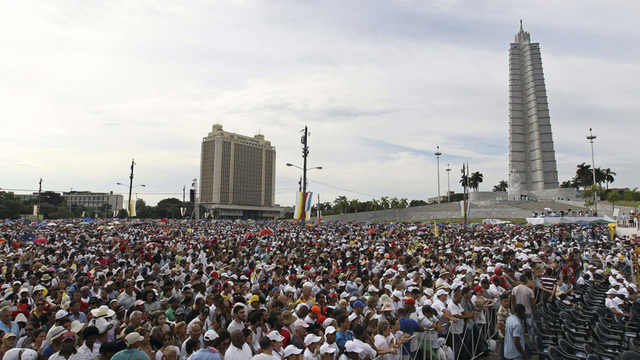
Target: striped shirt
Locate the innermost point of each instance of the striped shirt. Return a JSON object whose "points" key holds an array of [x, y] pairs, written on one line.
{"points": [[548, 282]]}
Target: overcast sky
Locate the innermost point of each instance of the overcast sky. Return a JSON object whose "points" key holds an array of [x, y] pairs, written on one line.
{"points": [[85, 86]]}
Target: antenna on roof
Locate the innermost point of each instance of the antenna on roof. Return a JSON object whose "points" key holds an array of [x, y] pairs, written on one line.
{"points": [[521, 25]]}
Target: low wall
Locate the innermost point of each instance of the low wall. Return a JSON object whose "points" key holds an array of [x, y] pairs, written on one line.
{"points": [[423, 213]]}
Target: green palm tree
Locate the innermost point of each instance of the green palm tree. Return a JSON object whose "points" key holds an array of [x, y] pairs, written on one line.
{"points": [[475, 180], [384, 201], [501, 187], [608, 177]]}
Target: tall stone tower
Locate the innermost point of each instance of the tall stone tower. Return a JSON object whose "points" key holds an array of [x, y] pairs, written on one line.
{"points": [[532, 158]]}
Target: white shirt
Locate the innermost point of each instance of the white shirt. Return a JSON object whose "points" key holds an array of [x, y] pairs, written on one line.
{"points": [[367, 349], [265, 357], [458, 326], [308, 355], [233, 353]]}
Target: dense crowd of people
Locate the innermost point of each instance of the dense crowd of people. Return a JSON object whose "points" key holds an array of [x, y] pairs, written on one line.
{"points": [[242, 290]]}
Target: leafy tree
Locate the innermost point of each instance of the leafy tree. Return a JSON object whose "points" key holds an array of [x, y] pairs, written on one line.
{"points": [[354, 204], [342, 203], [375, 204], [501, 187], [51, 197], [589, 192], [613, 197], [123, 214], [403, 203], [413, 203], [393, 203], [169, 208], [62, 212], [475, 180], [143, 210], [10, 206]]}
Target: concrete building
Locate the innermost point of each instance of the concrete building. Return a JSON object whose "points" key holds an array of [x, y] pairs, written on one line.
{"points": [[238, 175], [531, 151], [94, 200]]}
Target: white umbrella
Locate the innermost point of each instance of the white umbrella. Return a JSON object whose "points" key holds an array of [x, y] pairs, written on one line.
{"points": [[547, 209]]}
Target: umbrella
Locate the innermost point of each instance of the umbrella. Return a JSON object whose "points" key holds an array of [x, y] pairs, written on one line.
{"points": [[40, 240], [27, 237], [344, 228], [371, 231], [265, 232], [547, 209], [248, 236]]}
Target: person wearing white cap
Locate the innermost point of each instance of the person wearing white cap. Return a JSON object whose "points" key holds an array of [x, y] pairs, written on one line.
{"points": [[611, 303], [20, 354], [312, 342], [208, 352], [330, 335], [327, 352], [276, 342], [291, 352], [299, 333], [131, 352]]}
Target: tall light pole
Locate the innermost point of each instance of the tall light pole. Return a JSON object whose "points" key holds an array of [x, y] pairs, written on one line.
{"points": [[592, 137], [448, 188], [438, 153], [129, 207], [304, 188]]}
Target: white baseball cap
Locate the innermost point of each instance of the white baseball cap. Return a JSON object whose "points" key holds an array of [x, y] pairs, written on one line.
{"points": [[275, 336], [311, 338], [330, 330], [327, 349], [291, 350], [210, 335]]}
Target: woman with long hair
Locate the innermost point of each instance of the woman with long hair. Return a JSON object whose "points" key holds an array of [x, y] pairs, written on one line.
{"points": [[145, 344], [180, 333], [167, 340]]}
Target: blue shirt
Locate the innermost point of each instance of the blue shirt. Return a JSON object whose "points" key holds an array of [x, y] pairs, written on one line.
{"points": [[512, 327], [342, 338], [408, 326], [14, 328], [205, 354], [130, 354]]}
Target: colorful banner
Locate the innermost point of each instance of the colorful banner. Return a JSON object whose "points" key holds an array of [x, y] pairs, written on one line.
{"points": [[35, 209], [307, 206], [465, 207], [182, 211], [435, 229], [132, 208]]}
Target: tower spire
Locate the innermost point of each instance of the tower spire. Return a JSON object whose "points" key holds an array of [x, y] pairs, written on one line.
{"points": [[521, 25]]}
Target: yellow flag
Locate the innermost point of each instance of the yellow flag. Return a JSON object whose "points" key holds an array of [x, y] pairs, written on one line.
{"points": [[435, 229]]}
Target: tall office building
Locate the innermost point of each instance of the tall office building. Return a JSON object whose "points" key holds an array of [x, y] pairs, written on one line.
{"points": [[237, 175], [531, 152]]}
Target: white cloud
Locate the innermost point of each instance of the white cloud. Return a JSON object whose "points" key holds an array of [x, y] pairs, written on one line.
{"points": [[87, 87]]}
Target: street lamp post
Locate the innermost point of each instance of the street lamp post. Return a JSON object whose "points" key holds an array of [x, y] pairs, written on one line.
{"points": [[129, 207], [592, 137], [448, 188], [438, 153]]}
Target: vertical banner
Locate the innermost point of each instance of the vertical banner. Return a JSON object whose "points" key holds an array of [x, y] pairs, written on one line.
{"points": [[435, 229], [303, 201], [115, 213], [465, 207], [132, 208], [206, 214], [83, 213], [35, 210], [182, 211]]}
